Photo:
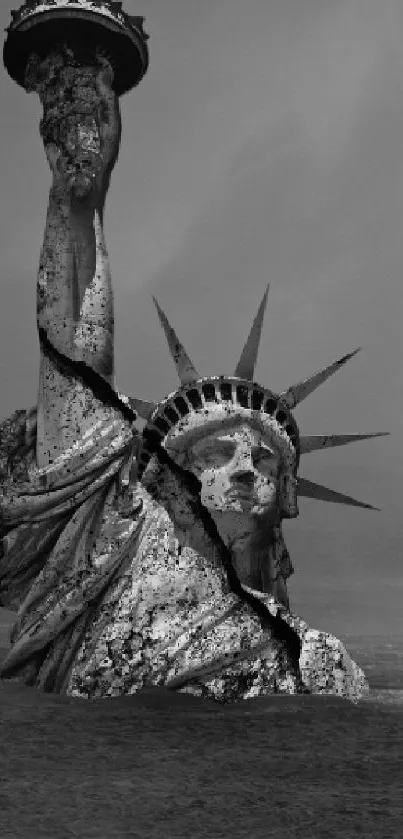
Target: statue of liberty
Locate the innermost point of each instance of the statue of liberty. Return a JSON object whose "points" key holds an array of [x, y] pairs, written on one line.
{"points": [[153, 558]]}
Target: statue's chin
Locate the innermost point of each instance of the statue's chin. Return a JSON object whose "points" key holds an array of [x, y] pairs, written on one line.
{"points": [[243, 508], [243, 525]]}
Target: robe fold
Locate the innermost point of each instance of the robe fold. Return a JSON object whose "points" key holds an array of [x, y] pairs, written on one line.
{"points": [[112, 596]]}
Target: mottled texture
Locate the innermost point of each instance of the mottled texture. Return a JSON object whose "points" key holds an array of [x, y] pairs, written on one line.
{"points": [[123, 597], [210, 404], [135, 560], [240, 468]]}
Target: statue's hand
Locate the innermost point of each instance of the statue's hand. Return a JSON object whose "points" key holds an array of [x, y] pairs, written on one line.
{"points": [[81, 126]]}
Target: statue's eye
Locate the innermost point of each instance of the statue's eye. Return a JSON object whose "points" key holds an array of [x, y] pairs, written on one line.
{"points": [[216, 454]]}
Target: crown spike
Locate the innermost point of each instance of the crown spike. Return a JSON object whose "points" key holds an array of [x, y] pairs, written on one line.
{"points": [[246, 365], [138, 22], [186, 371], [308, 489], [295, 394], [314, 443], [143, 407]]}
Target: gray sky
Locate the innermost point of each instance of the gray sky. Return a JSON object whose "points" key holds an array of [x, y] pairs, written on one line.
{"points": [[264, 144]]}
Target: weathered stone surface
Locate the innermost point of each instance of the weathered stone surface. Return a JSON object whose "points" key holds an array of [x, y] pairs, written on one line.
{"points": [[144, 607], [327, 668], [154, 559]]}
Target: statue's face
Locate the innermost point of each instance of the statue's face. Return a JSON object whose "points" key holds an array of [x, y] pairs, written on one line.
{"points": [[239, 471]]}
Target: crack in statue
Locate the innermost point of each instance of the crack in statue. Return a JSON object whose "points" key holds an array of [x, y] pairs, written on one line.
{"points": [[156, 558]]}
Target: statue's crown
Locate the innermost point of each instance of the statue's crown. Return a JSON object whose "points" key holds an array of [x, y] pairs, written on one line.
{"points": [[198, 400]]}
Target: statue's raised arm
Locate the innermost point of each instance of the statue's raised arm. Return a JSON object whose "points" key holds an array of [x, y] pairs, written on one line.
{"points": [[81, 131]]}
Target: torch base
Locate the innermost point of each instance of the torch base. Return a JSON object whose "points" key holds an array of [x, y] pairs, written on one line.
{"points": [[85, 32]]}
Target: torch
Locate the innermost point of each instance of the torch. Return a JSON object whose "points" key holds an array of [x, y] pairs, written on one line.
{"points": [[57, 48]]}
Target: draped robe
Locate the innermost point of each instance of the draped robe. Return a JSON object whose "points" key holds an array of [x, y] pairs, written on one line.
{"points": [[111, 596]]}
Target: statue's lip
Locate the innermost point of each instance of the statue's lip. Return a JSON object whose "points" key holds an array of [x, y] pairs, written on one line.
{"points": [[241, 492]]}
